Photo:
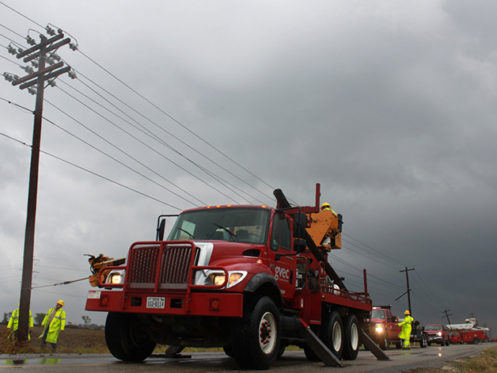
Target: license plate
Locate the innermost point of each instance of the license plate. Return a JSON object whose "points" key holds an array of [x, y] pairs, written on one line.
{"points": [[156, 302]]}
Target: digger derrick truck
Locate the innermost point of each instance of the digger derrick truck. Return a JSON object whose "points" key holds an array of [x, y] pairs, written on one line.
{"points": [[250, 279]]}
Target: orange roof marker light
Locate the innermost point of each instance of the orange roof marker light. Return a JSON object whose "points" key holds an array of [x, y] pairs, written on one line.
{"points": [[218, 206]]}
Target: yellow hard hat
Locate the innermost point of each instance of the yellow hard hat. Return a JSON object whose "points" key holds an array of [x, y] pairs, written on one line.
{"points": [[325, 205], [61, 302], [406, 312]]}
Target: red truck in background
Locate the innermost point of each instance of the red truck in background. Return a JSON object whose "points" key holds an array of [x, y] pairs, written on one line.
{"points": [[469, 332], [250, 279], [437, 333], [384, 328]]}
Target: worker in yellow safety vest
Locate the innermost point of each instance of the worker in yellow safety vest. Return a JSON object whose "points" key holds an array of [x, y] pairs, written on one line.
{"points": [[53, 323], [13, 325], [405, 333], [326, 206]]}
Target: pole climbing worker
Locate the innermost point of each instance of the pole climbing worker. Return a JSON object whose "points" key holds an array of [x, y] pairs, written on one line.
{"points": [[14, 324], [327, 206], [405, 333], [53, 323]]}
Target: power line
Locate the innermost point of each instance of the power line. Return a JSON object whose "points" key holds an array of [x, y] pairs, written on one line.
{"points": [[123, 151], [101, 151], [150, 134], [194, 149], [147, 145], [92, 172]]}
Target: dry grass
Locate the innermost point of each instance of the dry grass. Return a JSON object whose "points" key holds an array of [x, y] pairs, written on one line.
{"points": [[71, 340]]}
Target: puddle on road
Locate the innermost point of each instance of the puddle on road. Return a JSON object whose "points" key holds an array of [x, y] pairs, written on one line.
{"points": [[43, 361]]}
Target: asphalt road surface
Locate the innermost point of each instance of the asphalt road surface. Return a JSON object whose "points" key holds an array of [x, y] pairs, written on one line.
{"points": [[291, 361]]}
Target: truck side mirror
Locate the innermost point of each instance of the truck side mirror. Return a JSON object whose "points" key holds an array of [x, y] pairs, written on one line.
{"points": [[161, 225], [299, 245], [299, 224]]}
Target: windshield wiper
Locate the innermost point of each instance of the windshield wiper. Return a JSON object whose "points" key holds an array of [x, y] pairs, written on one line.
{"points": [[225, 229]]}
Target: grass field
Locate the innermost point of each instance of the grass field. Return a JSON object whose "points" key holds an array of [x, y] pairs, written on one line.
{"points": [[71, 340]]}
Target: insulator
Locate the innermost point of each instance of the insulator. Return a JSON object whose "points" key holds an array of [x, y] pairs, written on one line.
{"points": [[50, 31], [72, 74], [30, 40], [32, 90], [11, 49]]}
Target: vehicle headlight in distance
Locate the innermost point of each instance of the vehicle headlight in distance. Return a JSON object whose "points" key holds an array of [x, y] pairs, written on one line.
{"points": [[115, 277], [379, 328], [235, 277]]}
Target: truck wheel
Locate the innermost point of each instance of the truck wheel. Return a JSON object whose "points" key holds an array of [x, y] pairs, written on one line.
{"points": [[257, 344], [334, 334], [423, 342], [384, 344], [351, 346], [476, 341], [126, 339]]}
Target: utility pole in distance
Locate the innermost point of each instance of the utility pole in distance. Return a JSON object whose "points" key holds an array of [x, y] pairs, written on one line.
{"points": [[408, 291], [446, 312], [39, 77]]}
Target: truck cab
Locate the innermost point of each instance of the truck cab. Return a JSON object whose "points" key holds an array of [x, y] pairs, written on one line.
{"points": [[384, 327], [437, 333]]}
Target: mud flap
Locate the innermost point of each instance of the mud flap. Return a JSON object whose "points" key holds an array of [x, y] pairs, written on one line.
{"points": [[373, 347], [318, 347]]}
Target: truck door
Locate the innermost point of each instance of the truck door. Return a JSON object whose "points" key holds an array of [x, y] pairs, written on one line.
{"points": [[284, 265]]}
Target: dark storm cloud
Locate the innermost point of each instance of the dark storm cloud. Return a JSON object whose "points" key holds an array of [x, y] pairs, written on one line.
{"points": [[390, 106]]}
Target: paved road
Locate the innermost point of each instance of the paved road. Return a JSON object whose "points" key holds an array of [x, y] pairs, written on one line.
{"points": [[291, 361]]}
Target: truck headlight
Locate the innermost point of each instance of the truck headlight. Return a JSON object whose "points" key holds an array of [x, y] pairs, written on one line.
{"points": [[379, 328], [115, 278], [439, 334], [208, 277]]}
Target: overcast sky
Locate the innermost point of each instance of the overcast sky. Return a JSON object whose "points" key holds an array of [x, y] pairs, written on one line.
{"points": [[390, 105]]}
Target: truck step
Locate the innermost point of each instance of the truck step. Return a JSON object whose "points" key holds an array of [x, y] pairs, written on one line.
{"points": [[373, 347]]}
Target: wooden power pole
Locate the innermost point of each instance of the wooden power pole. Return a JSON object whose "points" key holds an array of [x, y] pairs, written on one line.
{"points": [[38, 78]]}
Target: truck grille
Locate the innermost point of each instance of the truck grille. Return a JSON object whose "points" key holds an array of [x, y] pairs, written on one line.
{"points": [[175, 261]]}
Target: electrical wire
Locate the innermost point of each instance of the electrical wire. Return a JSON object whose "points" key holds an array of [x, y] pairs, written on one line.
{"points": [[92, 172]]}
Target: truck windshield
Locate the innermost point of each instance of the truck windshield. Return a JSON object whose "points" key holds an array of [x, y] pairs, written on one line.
{"points": [[244, 224], [433, 327], [378, 314]]}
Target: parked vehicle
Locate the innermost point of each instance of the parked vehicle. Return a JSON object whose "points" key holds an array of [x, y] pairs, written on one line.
{"points": [[250, 279], [384, 328], [470, 332], [437, 333]]}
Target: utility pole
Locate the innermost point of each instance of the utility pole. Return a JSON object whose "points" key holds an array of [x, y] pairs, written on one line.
{"points": [[446, 312], [408, 291], [37, 78]]}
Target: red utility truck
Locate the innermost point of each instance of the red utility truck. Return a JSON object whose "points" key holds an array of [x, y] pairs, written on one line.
{"points": [[469, 332], [251, 279], [384, 328]]}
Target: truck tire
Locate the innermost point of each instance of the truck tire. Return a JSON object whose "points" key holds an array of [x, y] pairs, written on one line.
{"points": [[422, 342], [257, 343], [385, 344], [334, 336], [126, 339], [351, 345]]}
